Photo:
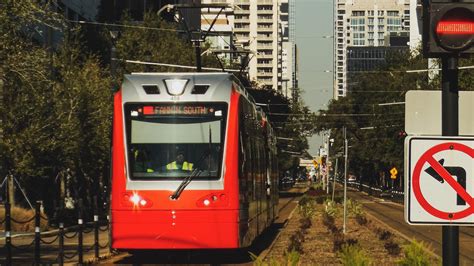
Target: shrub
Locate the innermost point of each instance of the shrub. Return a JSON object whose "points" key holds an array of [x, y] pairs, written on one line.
{"points": [[338, 242], [305, 199], [293, 258], [352, 241], [305, 223], [306, 207], [320, 199], [296, 242], [328, 220], [316, 190], [317, 187], [385, 235], [415, 254], [20, 214], [361, 219], [392, 248], [330, 208], [354, 208], [354, 255]]}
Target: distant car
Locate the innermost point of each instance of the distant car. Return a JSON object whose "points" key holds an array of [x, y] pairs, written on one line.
{"points": [[352, 178], [302, 178], [286, 183]]}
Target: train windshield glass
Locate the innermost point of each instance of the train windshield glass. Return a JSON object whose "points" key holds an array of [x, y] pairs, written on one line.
{"points": [[173, 141]]}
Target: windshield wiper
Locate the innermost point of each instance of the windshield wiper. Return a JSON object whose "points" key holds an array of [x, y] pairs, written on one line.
{"points": [[196, 171], [185, 183]]}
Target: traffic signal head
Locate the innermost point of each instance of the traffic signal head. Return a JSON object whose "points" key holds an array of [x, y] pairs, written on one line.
{"points": [[448, 28]]}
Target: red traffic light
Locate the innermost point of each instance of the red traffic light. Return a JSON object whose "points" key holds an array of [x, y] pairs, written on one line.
{"points": [[448, 28], [454, 28]]}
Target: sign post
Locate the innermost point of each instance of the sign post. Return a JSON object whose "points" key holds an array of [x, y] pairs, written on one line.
{"points": [[450, 127], [448, 33]]}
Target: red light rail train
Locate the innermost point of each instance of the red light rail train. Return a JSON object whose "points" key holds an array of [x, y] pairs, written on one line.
{"points": [[193, 164]]}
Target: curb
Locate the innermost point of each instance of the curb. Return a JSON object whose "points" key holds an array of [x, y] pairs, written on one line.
{"points": [[264, 254], [402, 235]]}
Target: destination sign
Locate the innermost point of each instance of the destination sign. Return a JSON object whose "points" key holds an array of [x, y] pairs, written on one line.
{"points": [[178, 110]]}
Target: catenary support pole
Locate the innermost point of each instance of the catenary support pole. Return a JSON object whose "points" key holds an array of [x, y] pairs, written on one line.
{"points": [[328, 168], [346, 148], [450, 127]]}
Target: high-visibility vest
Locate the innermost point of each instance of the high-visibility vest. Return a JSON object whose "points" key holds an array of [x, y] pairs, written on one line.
{"points": [[173, 166]]}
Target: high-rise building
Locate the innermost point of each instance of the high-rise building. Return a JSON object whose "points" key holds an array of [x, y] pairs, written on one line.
{"points": [[255, 27], [416, 24], [112, 10], [360, 23]]}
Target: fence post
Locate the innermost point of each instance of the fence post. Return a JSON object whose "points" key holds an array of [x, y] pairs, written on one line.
{"points": [[109, 235], [60, 220], [80, 248], [8, 229], [37, 232], [96, 228], [61, 244]]}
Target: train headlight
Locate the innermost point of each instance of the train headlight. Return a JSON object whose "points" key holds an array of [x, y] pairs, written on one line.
{"points": [[135, 199], [213, 200], [175, 87]]}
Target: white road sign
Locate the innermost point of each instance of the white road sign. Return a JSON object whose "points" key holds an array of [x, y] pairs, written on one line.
{"points": [[423, 113], [439, 183]]}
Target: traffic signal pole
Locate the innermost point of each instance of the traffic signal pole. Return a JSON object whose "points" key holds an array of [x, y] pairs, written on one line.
{"points": [[450, 127]]}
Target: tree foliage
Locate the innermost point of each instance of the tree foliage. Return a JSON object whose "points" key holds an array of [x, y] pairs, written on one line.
{"points": [[161, 42], [56, 106], [375, 128], [292, 122]]}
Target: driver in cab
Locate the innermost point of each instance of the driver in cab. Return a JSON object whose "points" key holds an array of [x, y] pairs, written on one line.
{"points": [[180, 163]]}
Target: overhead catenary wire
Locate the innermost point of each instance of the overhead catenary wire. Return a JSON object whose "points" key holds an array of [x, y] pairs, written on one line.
{"points": [[124, 26], [172, 65], [341, 114]]}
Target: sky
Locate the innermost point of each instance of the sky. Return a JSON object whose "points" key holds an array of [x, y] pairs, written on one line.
{"points": [[313, 21]]}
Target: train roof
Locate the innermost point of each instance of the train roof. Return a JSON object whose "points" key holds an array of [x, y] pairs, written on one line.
{"points": [[151, 86], [200, 77]]}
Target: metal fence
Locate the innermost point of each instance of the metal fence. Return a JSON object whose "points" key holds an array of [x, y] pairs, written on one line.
{"points": [[390, 194], [58, 237]]}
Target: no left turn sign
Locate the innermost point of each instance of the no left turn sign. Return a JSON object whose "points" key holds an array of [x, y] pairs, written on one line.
{"points": [[439, 186]]}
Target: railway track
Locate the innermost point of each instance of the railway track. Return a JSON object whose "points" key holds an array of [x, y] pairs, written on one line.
{"points": [[392, 214]]}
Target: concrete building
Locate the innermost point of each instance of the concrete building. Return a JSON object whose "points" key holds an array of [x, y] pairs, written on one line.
{"points": [[288, 53], [362, 59], [255, 26], [416, 24], [112, 10], [80, 10], [364, 23]]}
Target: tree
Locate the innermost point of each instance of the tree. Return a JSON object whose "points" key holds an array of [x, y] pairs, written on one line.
{"points": [[56, 105], [159, 42], [375, 132], [292, 122]]}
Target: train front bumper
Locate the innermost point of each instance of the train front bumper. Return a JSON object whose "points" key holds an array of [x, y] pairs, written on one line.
{"points": [[174, 229]]}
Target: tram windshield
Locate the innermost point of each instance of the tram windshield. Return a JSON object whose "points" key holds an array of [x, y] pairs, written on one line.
{"points": [[173, 141]]}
